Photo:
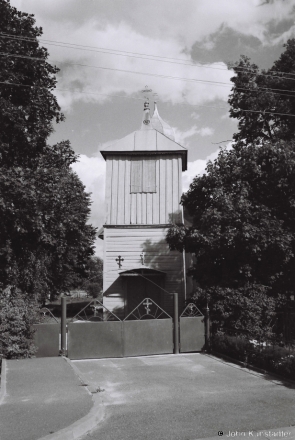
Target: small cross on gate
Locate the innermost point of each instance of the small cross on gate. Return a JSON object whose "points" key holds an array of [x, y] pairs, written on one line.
{"points": [[191, 307], [119, 260], [147, 305]]}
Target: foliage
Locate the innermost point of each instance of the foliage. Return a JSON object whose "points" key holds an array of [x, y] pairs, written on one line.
{"points": [[17, 315], [249, 308], [242, 232], [269, 357], [268, 96], [44, 238], [94, 282]]}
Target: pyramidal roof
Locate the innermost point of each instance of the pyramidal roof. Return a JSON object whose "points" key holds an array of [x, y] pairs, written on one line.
{"points": [[155, 135]]}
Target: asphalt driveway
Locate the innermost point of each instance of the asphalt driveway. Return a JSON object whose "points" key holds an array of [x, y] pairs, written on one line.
{"points": [[185, 397]]}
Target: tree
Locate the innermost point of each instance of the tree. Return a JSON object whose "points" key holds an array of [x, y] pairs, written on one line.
{"points": [[262, 101], [93, 283], [45, 241], [242, 232]]}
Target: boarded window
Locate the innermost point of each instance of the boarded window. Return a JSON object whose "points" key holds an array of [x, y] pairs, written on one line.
{"points": [[143, 176]]}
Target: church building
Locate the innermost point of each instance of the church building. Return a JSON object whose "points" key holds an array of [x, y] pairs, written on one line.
{"points": [[143, 191]]}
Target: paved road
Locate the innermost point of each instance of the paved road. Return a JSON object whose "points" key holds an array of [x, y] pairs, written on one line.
{"points": [[44, 395], [184, 397]]}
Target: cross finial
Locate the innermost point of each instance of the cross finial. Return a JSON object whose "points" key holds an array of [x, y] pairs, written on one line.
{"points": [[146, 92]]}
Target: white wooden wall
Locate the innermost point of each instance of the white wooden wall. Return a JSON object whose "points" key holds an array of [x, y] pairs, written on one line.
{"points": [[160, 207], [130, 243]]}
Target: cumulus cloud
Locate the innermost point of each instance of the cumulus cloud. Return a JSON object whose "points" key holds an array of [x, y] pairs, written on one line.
{"points": [[206, 131], [163, 28], [182, 136]]}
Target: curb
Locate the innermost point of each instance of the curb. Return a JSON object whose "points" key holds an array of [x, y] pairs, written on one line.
{"points": [[89, 422], [251, 367], [3, 381], [82, 426]]}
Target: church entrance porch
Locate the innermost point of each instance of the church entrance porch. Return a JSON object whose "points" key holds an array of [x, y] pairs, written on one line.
{"points": [[140, 284]]}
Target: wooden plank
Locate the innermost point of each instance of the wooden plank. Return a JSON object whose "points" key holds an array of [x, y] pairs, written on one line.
{"points": [[114, 202], [149, 208], [169, 189], [149, 175], [162, 205], [175, 196], [127, 209], [136, 175], [133, 208], [108, 196], [138, 208], [121, 191], [156, 197], [144, 207]]}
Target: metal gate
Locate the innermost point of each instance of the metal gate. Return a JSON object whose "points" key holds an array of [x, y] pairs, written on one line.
{"points": [[147, 330], [47, 334], [94, 333], [192, 329]]}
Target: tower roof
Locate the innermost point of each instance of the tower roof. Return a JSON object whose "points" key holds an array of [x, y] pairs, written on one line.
{"points": [[161, 126], [155, 136]]}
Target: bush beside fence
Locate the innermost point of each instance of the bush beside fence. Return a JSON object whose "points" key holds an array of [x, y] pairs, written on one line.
{"points": [[265, 355]]}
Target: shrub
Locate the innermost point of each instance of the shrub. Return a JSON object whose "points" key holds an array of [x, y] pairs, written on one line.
{"points": [[17, 316], [272, 358]]}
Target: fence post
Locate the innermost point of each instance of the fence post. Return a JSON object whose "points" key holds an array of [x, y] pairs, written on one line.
{"points": [[207, 329], [63, 326], [176, 329]]}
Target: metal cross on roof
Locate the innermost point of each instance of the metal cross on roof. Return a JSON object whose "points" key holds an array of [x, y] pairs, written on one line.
{"points": [[147, 305], [146, 91]]}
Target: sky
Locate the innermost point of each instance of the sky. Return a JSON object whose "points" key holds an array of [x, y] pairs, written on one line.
{"points": [[109, 50]]}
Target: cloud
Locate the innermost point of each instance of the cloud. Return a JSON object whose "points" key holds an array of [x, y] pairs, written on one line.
{"points": [[91, 171], [182, 136], [205, 131], [166, 29]]}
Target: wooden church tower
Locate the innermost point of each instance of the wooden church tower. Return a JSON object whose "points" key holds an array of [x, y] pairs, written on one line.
{"points": [[143, 191]]}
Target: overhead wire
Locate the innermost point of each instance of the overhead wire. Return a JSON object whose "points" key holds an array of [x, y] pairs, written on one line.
{"points": [[140, 99], [133, 54], [217, 83]]}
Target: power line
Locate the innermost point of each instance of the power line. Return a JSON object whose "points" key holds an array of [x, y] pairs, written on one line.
{"points": [[218, 83], [135, 55], [140, 99]]}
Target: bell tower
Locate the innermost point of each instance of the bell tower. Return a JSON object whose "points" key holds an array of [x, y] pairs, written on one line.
{"points": [[143, 191]]}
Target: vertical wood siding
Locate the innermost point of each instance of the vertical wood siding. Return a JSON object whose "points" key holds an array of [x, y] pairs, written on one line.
{"points": [[160, 207]]}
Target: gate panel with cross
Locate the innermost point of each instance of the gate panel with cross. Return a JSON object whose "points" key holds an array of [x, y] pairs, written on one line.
{"points": [[192, 330], [148, 330]]}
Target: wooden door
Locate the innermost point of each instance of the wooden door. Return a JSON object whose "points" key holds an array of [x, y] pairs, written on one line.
{"points": [[139, 288]]}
